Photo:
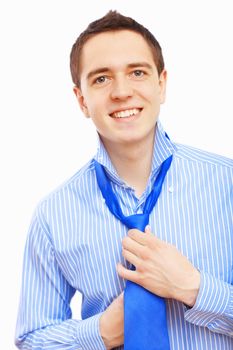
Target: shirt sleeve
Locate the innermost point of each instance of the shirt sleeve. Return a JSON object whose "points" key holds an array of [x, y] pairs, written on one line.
{"points": [[214, 306], [44, 317]]}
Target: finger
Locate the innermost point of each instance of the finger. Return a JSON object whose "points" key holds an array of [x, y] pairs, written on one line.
{"points": [[133, 246], [139, 236], [126, 274], [146, 239], [130, 257], [130, 244]]}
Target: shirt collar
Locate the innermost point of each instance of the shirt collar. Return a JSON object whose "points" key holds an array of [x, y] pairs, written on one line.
{"points": [[163, 148]]}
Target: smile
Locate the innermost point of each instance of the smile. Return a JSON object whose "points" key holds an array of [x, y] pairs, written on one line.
{"points": [[125, 114]]}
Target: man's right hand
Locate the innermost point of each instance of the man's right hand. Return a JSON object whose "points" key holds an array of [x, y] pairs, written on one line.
{"points": [[112, 324]]}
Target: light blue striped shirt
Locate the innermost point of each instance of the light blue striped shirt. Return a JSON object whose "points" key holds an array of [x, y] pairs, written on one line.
{"points": [[74, 243]]}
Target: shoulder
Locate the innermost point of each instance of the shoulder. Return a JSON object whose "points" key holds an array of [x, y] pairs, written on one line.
{"points": [[80, 182], [198, 156]]}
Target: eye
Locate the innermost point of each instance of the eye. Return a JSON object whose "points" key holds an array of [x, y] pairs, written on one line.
{"points": [[138, 73], [100, 80]]}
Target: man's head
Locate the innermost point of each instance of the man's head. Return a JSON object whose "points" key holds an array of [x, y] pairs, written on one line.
{"points": [[120, 81], [112, 21]]}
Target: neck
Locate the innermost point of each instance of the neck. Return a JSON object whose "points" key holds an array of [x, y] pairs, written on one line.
{"points": [[133, 162]]}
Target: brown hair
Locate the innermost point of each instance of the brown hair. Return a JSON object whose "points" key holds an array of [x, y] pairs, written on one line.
{"points": [[112, 21]]}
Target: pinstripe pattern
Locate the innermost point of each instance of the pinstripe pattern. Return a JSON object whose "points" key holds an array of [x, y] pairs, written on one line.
{"points": [[74, 243]]}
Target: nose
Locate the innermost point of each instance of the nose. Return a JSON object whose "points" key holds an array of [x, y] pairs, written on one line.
{"points": [[121, 89]]}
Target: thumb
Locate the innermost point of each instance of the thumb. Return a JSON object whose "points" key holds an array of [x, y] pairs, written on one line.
{"points": [[148, 229]]}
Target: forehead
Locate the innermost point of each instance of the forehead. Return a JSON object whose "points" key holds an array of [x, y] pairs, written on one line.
{"points": [[114, 49]]}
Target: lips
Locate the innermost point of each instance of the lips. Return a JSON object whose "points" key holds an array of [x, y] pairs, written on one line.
{"points": [[126, 113]]}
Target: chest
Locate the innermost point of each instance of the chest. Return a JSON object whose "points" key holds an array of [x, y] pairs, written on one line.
{"points": [[89, 247]]}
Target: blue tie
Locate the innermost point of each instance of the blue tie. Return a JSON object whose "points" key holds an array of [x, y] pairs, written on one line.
{"points": [[145, 324]]}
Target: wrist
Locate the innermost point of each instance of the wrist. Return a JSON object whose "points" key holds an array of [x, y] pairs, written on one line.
{"points": [[191, 292], [111, 324], [108, 335], [104, 332]]}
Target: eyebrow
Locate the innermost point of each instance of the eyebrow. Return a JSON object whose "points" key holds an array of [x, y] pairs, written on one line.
{"points": [[107, 69], [97, 71], [140, 64]]}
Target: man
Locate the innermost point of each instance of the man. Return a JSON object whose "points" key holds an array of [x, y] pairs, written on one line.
{"points": [[75, 243]]}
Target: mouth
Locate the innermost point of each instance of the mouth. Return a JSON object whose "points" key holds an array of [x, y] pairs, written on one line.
{"points": [[127, 113]]}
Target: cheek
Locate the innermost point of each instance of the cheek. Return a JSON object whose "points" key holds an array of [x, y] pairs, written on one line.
{"points": [[97, 111], [95, 103], [158, 95], [154, 98], [151, 92]]}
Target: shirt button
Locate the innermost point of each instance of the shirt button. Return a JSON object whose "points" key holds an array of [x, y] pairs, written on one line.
{"points": [[170, 189]]}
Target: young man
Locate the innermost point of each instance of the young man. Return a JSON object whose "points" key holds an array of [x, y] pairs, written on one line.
{"points": [[76, 243]]}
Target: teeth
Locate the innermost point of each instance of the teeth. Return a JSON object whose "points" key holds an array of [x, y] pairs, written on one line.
{"points": [[126, 114]]}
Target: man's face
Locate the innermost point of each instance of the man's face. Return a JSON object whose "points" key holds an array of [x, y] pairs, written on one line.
{"points": [[120, 87]]}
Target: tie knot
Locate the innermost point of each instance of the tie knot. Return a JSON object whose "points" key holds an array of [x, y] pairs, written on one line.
{"points": [[138, 221]]}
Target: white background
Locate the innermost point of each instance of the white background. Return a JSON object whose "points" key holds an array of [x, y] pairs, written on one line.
{"points": [[44, 139]]}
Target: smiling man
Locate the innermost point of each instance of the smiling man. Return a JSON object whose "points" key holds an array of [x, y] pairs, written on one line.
{"points": [[144, 210], [122, 91]]}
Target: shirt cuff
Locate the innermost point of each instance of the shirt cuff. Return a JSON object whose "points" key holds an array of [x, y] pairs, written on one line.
{"points": [[88, 334], [215, 298]]}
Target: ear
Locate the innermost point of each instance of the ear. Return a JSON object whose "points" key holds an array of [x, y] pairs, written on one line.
{"points": [[163, 84], [81, 101]]}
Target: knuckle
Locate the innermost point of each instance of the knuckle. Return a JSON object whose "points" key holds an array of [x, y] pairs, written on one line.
{"points": [[125, 254], [145, 253], [125, 241], [141, 268], [141, 278], [133, 232]]}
